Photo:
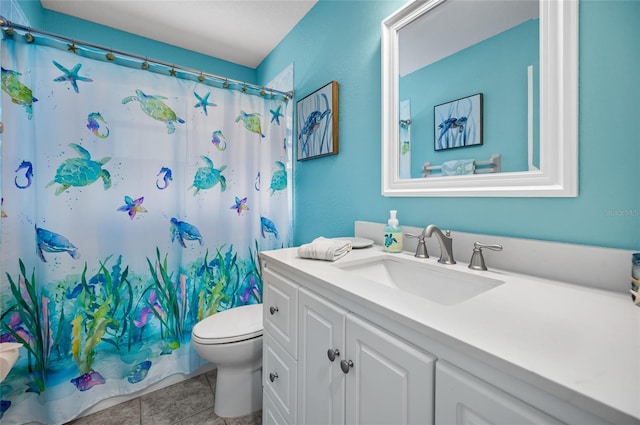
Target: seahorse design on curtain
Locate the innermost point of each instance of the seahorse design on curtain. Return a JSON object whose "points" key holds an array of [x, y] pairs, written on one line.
{"points": [[104, 302]]}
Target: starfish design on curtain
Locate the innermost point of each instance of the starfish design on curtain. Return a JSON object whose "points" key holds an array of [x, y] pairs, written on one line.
{"points": [[71, 76], [133, 206], [276, 115], [203, 101], [240, 205]]}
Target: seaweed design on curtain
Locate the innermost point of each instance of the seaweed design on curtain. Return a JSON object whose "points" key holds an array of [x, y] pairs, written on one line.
{"points": [[132, 208]]}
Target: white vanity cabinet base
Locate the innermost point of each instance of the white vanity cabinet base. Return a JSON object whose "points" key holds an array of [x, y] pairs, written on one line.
{"points": [[463, 399], [389, 382]]}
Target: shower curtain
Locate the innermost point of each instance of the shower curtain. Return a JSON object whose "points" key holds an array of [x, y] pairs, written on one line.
{"points": [[133, 205]]}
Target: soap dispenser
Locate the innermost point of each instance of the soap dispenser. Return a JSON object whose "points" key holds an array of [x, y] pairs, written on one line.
{"points": [[392, 234]]}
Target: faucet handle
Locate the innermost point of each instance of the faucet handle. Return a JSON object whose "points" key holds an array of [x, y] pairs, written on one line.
{"points": [[421, 249], [477, 259]]}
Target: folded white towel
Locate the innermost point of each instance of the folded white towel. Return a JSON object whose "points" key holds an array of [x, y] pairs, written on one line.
{"points": [[458, 167], [325, 249]]}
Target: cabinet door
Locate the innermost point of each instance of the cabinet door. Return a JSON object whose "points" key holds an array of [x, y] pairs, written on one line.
{"points": [[390, 381], [320, 381], [461, 399]]}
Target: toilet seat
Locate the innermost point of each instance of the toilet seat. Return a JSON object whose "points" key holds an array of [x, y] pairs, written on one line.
{"points": [[233, 325]]}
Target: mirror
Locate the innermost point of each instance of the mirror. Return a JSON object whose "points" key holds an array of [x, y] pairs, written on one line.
{"points": [[510, 128]]}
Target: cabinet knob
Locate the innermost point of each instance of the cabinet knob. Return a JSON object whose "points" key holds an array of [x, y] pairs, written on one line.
{"points": [[273, 376], [345, 365], [273, 310], [332, 354]]}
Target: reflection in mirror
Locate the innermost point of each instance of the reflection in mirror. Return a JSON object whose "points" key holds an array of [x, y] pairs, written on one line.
{"points": [[479, 98], [459, 49]]}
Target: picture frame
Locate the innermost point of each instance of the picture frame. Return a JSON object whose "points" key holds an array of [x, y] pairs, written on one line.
{"points": [[458, 123], [317, 123]]}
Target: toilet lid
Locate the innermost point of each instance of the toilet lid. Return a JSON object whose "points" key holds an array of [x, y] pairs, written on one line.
{"points": [[235, 324]]}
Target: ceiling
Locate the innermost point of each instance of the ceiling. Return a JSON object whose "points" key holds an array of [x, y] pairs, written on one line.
{"points": [[239, 31]]}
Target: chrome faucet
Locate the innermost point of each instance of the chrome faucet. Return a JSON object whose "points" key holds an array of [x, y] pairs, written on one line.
{"points": [[445, 241]]}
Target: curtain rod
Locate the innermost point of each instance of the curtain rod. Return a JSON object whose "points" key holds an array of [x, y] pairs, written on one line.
{"points": [[8, 28]]}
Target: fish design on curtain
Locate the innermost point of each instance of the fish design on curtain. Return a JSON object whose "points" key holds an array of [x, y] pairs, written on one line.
{"points": [[131, 210]]}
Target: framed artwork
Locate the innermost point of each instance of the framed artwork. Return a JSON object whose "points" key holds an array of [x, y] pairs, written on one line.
{"points": [[317, 123], [458, 123]]}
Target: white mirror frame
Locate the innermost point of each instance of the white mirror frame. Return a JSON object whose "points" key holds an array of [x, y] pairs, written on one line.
{"points": [[558, 173]]}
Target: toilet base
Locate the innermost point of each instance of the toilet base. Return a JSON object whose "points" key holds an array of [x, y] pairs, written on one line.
{"points": [[238, 391]]}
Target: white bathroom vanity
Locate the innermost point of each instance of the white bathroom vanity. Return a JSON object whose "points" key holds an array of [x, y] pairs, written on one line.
{"points": [[343, 345]]}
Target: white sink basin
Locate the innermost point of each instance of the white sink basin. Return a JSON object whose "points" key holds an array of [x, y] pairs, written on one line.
{"points": [[434, 282]]}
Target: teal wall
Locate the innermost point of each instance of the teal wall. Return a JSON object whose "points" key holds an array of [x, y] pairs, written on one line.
{"points": [[68, 26], [33, 11], [340, 40]]}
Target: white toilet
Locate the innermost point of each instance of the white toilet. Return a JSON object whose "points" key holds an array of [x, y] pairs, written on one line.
{"points": [[232, 339]]}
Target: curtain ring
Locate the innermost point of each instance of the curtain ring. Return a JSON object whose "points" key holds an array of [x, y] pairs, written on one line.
{"points": [[9, 31]]}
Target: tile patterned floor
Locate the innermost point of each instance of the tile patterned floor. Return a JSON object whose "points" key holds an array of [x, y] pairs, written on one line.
{"points": [[186, 403]]}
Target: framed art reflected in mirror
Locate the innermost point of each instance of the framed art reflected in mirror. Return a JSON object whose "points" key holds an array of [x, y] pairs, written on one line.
{"points": [[458, 123]]}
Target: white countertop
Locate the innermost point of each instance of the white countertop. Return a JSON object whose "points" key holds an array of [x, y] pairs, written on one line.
{"points": [[572, 337]]}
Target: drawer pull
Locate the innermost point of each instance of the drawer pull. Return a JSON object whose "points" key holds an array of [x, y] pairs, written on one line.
{"points": [[273, 377], [273, 310], [345, 365], [332, 354]]}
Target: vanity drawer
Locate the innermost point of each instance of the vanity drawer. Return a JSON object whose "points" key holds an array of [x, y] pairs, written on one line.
{"points": [[281, 310], [270, 413], [280, 378]]}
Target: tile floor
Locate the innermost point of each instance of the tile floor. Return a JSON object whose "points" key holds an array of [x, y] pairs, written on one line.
{"points": [[186, 403]]}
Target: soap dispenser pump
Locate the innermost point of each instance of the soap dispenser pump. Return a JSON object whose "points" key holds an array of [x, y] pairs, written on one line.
{"points": [[392, 234]]}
